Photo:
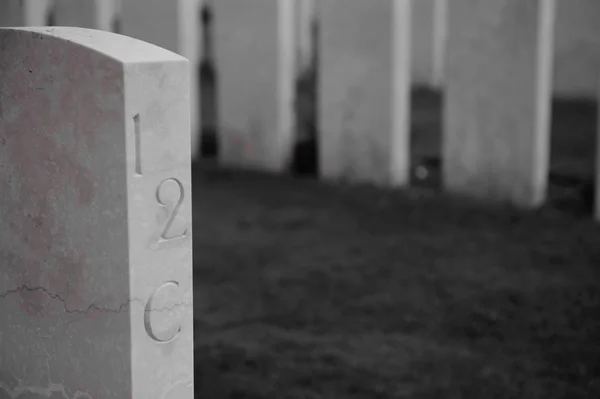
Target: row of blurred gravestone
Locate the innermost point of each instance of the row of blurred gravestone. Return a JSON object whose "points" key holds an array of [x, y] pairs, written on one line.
{"points": [[355, 123]]}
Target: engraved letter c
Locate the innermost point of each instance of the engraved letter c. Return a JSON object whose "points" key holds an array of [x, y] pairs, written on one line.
{"points": [[148, 309]]}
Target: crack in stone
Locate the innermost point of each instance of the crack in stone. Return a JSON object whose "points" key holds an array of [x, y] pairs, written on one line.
{"points": [[54, 296], [91, 307], [47, 392], [14, 392]]}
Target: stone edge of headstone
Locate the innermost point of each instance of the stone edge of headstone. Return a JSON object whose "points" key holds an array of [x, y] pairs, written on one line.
{"points": [[125, 49]]}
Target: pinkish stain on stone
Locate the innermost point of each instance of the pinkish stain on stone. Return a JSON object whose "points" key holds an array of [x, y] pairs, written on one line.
{"points": [[47, 169]]}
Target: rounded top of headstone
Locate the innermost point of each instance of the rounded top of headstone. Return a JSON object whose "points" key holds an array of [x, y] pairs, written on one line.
{"points": [[121, 48]]}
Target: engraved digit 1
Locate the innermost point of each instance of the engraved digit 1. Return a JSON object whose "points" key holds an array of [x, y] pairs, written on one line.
{"points": [[138, 144], [148, 310], [171, 218]]}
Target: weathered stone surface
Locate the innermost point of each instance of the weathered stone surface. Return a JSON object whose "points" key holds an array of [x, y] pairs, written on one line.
{"points": [[255, 58], [95, 211], [497, 99], [174, 25], [364, 90]]}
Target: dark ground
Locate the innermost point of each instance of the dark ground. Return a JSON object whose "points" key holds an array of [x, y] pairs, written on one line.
{"points": [[312, 290]]}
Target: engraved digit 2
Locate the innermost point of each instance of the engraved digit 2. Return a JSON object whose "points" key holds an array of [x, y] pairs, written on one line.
{"points": [[173, 214], [148, 309]]}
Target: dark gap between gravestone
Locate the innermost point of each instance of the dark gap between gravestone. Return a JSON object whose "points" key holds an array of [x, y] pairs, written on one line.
{"points": [[425, 136], [116, 25], [571, 186], [208, 81], [305, 160], [51, 16], [305, 152]]}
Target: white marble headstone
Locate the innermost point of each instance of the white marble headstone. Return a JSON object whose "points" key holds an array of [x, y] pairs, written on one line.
{"points": [[95, 211], [255, 61], [364, 90], [498, 84], [174, 25], [24, 12]]}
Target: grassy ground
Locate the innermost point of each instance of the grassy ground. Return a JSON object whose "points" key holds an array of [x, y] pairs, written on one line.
{"points": [[313, 290]]}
